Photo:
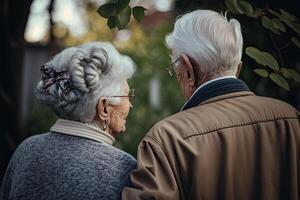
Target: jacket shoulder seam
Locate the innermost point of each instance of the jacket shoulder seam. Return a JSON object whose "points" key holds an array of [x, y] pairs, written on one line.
{"points": [[156, 141], [239, 125]]}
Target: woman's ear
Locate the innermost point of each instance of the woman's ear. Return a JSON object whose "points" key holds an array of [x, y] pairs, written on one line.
{"points": [[102, 110], [239, 68], [189, 70]]}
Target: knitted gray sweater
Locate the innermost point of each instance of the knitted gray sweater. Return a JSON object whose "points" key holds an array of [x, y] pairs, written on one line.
{"points": [[58, 166]]}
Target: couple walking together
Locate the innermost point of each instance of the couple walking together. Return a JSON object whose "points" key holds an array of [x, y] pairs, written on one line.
{"points": [[224, 143]]}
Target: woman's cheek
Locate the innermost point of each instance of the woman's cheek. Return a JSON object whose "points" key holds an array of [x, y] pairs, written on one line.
{"points": [[121, 124], [117, 123]]}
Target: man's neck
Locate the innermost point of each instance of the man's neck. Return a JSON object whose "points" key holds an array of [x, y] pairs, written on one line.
{"points": [[237, 85], [212, 80]]}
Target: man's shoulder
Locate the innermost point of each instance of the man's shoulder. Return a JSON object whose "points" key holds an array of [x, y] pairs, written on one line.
{"points": [[244, 109], [276, 104], [216, 115], [174, 127], [264, 108]]}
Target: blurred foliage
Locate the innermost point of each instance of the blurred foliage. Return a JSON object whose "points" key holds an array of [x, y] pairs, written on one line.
{"points": [[42, 117], [276, 25], [152, 63], [287, 28]]}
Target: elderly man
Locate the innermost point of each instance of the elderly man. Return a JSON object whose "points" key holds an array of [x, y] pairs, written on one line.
{"points": [[226, 143]]}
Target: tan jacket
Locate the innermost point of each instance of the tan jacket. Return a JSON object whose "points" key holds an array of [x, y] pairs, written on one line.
{"points": [[234, 146]]}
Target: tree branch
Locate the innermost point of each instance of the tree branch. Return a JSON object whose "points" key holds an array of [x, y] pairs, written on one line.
{"points": [[277, 49]]}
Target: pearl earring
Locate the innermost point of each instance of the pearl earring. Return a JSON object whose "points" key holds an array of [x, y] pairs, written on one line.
{"points": [[105, 124]]}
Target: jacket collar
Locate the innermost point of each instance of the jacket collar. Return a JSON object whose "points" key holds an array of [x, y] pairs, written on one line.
{"points": [[227, 96], [80, 129], [214, 88]]}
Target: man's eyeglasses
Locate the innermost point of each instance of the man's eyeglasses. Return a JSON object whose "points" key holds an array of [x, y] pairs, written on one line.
{"points": [[172, 66], [131, 96]]}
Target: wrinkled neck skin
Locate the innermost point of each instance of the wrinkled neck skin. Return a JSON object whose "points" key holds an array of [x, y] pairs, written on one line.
{"points": [[205, 78]]}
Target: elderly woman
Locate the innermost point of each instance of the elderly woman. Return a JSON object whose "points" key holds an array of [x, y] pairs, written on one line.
{"points": [[86, 86]]}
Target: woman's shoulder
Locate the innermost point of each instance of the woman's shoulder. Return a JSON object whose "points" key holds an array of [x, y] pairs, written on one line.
{"points": [[33, 141], [76, 150], [28, 150], [119, 156]]}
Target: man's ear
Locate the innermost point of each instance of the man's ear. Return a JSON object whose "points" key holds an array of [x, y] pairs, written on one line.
{"points": [[189, 70], [239, 68], [102, 108]]}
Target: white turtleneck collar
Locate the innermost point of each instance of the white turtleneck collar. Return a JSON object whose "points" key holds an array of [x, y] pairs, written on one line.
{"points": [[91, 130]]}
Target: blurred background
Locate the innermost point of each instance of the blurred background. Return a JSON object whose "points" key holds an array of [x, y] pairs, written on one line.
{"points": [[32, 31]]}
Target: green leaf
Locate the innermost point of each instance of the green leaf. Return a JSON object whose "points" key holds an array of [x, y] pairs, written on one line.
{"points": [[124, 17], [279, 80], [296, 41], [267, 23], [261, 72], [262, 58], [230, 7], [290, 74], [113, 22], [138, 13], [233, 6], [278, 24], [259, 12], [274, 13], [295, 75], [247, 8], [121, 4], [293, 25], [288, 16], [286, 73], [107, 10]]}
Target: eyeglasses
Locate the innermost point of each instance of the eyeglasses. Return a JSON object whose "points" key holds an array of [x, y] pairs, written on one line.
{"points": [[171, 68], [131, 96]]}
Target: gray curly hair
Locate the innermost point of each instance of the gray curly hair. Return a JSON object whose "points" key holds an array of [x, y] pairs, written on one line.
{"points": [[74, 80]]}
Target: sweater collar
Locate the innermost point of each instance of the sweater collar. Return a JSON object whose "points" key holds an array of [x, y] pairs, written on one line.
{"points": [[90, 130], [213, 88]]}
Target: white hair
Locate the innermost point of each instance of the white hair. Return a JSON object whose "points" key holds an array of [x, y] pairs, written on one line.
{"points": [[94, 70], [210, 39]]}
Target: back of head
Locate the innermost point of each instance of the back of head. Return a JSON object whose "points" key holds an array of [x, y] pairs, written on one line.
{"points": [[212, 41], [74, 80]]}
